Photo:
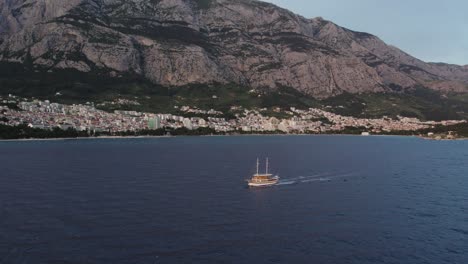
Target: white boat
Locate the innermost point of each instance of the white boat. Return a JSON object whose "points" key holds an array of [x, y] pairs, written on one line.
{"points": [[263, 179]]}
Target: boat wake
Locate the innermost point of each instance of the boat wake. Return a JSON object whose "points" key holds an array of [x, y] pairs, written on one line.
{"points": [[322, 177], [285, 182]]}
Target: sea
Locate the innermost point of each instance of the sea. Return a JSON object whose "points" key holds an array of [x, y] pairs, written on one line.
{"points": [[341, 199]]}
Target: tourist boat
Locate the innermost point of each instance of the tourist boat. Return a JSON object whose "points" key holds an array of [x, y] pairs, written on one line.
{"points": [[263, 180]]}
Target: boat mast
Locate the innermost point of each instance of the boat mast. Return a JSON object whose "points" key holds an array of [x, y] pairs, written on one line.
{"points": [[257, 166], [266, 170]]}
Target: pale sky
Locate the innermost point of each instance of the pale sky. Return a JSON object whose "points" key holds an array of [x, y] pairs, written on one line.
{"points": [[431, 30]]}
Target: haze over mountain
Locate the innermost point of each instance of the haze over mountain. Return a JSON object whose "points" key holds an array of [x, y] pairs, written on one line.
{"points": [[182, 42]]}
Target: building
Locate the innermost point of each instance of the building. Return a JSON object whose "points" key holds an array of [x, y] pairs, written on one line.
{"points": [[187, 123], [154, 123]]}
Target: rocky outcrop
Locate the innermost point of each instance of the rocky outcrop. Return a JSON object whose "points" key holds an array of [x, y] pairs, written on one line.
{"points": [[179, 42]]}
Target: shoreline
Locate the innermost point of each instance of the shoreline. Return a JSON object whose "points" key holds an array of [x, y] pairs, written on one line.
{"points": [[82, 138], [236, 135]]}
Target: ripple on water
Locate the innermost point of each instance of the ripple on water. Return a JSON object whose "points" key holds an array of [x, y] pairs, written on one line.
{"points": [[184, 200]]}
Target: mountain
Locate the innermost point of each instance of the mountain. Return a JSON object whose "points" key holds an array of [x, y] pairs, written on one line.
{"points": [[172, 43]]}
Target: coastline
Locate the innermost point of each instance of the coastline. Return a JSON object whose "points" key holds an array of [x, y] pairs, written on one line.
{"points": [[228, 135], [82, 138]]}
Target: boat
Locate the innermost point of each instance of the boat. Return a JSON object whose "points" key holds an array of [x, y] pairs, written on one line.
{"points": [[263, 179]]}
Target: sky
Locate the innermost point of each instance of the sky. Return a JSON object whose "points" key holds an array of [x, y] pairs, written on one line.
{"points": [[430, 30]]}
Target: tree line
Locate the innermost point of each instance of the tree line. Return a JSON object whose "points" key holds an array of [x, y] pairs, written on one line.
{"points": [[25, 132]]}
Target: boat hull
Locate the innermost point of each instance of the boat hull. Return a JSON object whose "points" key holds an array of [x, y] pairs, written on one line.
{"points": [[270, 182]]}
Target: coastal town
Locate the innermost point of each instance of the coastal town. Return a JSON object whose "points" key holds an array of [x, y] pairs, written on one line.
{"points": [[44, 114]]}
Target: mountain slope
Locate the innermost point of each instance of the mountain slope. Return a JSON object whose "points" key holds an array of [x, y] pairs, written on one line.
{"points": [[181, 42]]}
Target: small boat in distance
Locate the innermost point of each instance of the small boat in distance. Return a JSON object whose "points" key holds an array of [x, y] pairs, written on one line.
{"points": [[262, 180]]}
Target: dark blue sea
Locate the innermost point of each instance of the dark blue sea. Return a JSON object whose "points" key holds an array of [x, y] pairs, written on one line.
{"points": [[341, 199]]}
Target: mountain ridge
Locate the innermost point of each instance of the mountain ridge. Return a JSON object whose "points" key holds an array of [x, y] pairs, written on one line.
{"points": [[182, 42]]}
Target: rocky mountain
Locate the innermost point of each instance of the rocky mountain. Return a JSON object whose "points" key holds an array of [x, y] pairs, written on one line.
{"points": [[179, 42]]}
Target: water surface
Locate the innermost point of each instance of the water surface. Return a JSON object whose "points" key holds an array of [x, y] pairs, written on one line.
{"points": [[342, 199]]}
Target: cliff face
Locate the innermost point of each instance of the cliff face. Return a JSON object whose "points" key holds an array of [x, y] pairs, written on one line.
{"points": [[179, 42]]}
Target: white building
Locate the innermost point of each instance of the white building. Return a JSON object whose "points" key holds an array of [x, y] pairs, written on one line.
{"points": [[187, 123]]}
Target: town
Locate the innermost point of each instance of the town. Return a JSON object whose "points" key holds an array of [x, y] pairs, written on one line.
{"points": [[86, 117]]}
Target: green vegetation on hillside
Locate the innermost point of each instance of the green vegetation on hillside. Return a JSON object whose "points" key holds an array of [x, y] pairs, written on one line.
{"points": [[23, 131], [69, 86], [422, 103], [204, 4], [461, 130]]}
